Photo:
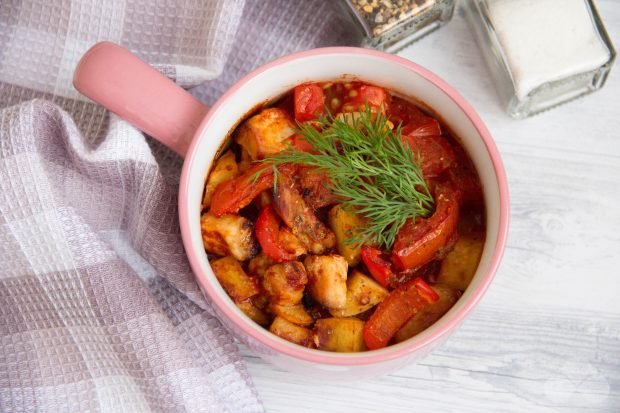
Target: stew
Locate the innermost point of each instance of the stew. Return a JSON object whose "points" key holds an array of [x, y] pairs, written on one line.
{"points": [[343, 217]]}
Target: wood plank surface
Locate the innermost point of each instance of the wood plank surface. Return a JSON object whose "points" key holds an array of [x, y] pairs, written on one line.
{"points": [[546, 337]]}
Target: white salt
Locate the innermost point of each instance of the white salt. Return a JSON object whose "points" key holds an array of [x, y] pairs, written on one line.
{"points": [[546, 40]]}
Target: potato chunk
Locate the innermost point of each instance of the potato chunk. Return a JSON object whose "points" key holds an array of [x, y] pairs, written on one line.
{"points": [[362, 294], [284, 283], [290, 243], [460, 265], [256, 314], [259, 264], [327, 279], [229, 235], [225, 169], [339, 334], [296, 314], [343, 223], [265, 133], [234, 280], [292, 332], [429, 314], [245, 161]]}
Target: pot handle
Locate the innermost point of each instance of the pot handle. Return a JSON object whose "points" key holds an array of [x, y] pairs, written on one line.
{"points": [[119, 81]]}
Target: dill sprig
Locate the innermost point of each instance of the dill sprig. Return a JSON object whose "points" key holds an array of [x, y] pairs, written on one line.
{"points": [[371, 170]]}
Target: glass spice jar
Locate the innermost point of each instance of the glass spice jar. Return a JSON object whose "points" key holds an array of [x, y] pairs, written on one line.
{"points": [[390, 25], [541, 53]]}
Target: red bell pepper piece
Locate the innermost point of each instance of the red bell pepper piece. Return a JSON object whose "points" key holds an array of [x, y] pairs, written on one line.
{"points": [[429, 127], [373, 96], [378, 265], [309, 101], [395, 310], [463, 176], [435, 153], [426, 290], [405, 113], [299, 143], [426, 239], [268, 233], [230, 196]]}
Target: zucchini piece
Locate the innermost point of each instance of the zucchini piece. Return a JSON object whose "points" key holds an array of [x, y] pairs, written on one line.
{"points": [[339, 334], [363, 293], [343, 224], [460, 265], [292, 332]]}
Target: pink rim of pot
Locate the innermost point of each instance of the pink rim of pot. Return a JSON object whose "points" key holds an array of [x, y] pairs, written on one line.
{"points": [[370, 357]]}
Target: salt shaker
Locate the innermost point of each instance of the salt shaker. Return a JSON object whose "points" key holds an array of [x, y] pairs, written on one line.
{"points": [[390, 25], [541, 52]]}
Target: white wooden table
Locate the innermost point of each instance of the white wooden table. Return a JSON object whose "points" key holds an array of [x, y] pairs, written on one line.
{"points": [[546, 337]]}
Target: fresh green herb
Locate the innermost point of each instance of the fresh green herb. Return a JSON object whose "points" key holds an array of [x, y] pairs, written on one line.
{"points": [[369, 168]]}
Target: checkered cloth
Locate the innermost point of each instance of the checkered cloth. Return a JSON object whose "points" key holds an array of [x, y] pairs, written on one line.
{"points": [[99, 310]]}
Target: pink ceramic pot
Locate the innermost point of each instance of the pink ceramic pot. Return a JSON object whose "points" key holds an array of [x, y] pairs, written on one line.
{"points": [[121, 82]]}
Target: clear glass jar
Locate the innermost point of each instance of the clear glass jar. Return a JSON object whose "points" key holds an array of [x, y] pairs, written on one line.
{"points": [[390, 25], [541, 53]]}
